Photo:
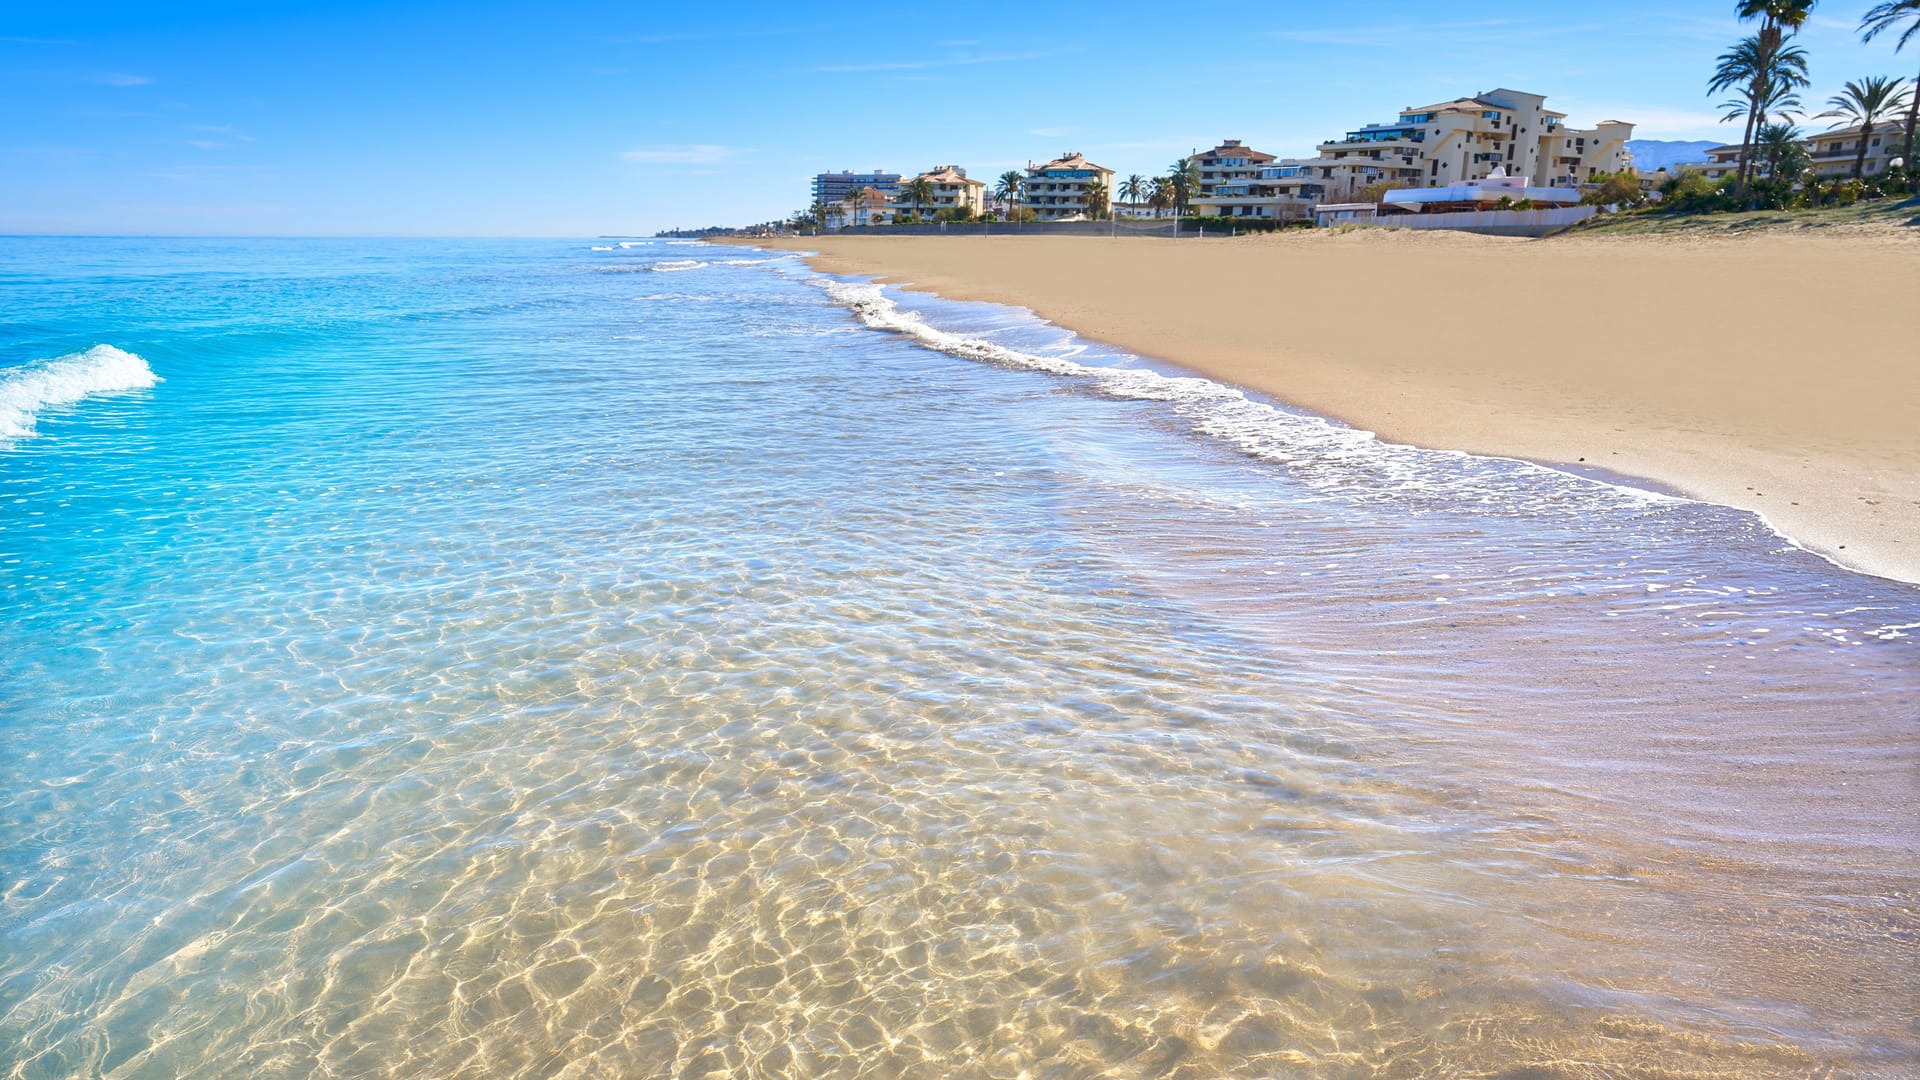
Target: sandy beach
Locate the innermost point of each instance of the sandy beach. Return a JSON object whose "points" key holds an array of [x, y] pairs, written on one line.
{"points": [[1775, 372]]}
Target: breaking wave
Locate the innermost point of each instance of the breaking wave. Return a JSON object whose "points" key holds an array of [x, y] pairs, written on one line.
{"points": [[65, 380], [675, 265]]}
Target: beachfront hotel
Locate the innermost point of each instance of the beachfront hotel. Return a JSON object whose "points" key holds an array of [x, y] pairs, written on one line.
{"points": [[1239, 181], [1465, 139], [952, 190], [835, 190], [1057, 191], [1833, 152]]}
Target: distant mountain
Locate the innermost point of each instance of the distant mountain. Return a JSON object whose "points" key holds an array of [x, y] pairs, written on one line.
{"points": [[1652, 155]]}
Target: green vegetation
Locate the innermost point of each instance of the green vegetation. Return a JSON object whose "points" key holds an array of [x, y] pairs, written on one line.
{"points": [[1905, 16], [1765, 73], [917, 191], [1616, 189]]}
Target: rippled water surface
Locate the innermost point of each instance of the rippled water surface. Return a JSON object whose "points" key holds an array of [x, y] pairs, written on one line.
{"points": [[583, 659]]}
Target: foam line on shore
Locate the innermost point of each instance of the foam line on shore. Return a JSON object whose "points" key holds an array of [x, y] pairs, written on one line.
{"points": [[1331, 457], [1283, 436]]}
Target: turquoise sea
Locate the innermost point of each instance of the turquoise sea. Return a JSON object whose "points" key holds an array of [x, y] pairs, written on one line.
{"points": [[585, 658]]}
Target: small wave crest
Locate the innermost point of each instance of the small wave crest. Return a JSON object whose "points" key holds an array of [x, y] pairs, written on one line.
{"points": [[65, 380], [672, 266]]}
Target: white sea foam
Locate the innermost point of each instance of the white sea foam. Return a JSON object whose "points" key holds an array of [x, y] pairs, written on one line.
{"points": [[624, 244], [598, 247], [1328, 456], [676, 265], [65, 380]]}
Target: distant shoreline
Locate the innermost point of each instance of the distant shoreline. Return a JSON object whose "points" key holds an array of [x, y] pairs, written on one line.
{"points": [[1649, 356]]}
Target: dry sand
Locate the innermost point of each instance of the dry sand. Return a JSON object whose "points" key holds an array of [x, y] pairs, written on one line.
{"points": [[1775, 372]]}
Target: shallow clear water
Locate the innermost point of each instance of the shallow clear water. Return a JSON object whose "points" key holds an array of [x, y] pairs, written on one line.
{"points": [[527, 659]]}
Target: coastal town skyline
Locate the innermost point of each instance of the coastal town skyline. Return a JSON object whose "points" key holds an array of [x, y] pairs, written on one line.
{"points": [[432, 120]]}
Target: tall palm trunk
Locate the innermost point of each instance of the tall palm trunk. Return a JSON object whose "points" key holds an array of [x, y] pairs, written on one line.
{"points": [[1913, 113], [1770, 38], [1746, 137], [1860, 154]]}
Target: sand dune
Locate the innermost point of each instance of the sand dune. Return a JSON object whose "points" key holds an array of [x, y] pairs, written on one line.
{"points": [[1775, 372]]}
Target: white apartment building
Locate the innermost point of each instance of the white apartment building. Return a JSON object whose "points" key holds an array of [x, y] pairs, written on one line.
{"points": [[1057, 191], [1465, 139], [1229, 163], [951, 189], [1721, 161], [1833, 152], [1239, 181], [1276, 190]]}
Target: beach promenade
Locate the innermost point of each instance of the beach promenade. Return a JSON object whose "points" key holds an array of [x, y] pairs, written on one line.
{"points": [[1777, 372]]}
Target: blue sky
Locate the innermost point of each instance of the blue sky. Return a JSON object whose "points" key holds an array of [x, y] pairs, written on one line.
{"points": [[587, 119]]}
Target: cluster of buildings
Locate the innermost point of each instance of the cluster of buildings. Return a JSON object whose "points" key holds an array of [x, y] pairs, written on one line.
{"points": [[1833, 153], [1504, 134]]}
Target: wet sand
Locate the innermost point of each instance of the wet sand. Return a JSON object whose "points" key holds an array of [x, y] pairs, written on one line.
{"points": [[1776, 373]]}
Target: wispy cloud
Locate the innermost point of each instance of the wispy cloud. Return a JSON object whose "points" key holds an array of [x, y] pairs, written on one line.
{"points": [[697, 154], [967, 60], [203, 174], [36, 41], [1377, 35], [227, 130], [121, 78], [202, 213], [1049, 133]]}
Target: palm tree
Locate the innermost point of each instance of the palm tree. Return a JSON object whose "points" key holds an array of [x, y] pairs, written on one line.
{"points": [[1763, 72], [1133, 189], [1781, 148], [1863, 103], [917, 191], [857, 199], [1185, 178], [1778, 18], [1012, 183], [1096, 198], [1885, 16], [1159, 193]]}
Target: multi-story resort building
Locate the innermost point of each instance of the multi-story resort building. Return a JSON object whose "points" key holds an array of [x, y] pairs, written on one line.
{"points": [[1833, 152], [831, 189], [1239, 181], [1229, 163], [1277, 190], [1465, 139], [952, 190], [1057, 191]]}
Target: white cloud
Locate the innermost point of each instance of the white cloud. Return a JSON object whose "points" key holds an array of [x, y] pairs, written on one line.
{"points": [[121, 78], [697, 154]]}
